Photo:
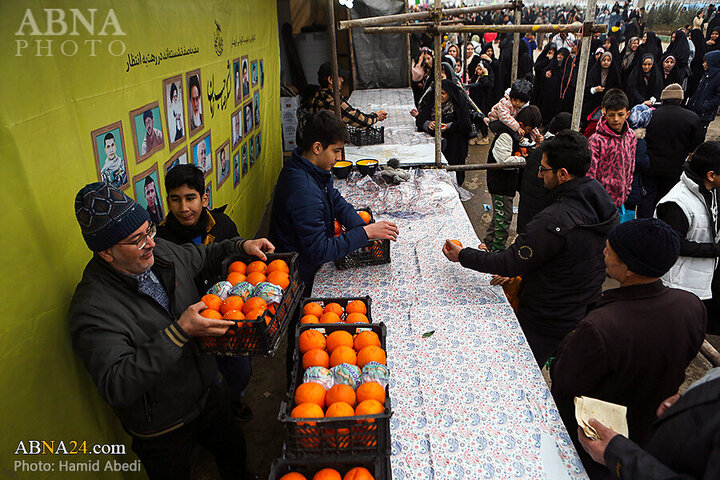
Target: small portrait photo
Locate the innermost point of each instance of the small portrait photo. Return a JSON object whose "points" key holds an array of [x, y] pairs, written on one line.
{"points": [[174, 110], [195, 105], [147, 193], [256, 101], [244, 160], [251, 151], [245, 67], [257, 146], [222, 162], [236, 127], [248, 115], [147, 131], [262, 72], [202, 153], [254, 75], [110, 157], [208, 192], [237, 82], [179, 158], [236, 169]]}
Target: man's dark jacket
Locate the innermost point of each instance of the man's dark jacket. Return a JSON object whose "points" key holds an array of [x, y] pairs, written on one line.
{"points": [[305, 207], [632, 349], [505, 181], [672, 134], [559, 256], [534, 197]]}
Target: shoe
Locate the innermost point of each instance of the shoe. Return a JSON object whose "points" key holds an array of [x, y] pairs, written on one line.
{"points": [[242, 411], [484, 141], [473, 141]]}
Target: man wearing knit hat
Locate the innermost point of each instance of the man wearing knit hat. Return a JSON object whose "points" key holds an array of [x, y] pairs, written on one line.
{"points": [[634, 346], [133, 319]]}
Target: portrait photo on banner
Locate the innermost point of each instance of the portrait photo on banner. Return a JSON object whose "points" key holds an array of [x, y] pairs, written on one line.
{"points": [[208, 192], [222, 162], [258, 148], [245, 67], [237, 82], [179, 158], [248, 115], [110, 155], [262, 72], [174, 110], [146, 125], [245, 166], [251, 151], [236, 169], [256, 101], [236, 126], [195, 102], [254, 70], [202, 153], [147, 193]]}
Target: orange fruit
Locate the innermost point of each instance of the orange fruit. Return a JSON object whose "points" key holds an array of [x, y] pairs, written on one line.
{"points": [[310, 392], [235, 277], [256, 266], [330, 317], [370, 391], [356, 318], [212, 301], [277, 266], [340, 409], [339, 338], [309, 319], [356, 306], [337, 227], [293, 476], [281, 279], [310, 339], [365, 216], [363, 339], [327, 474], [341, 393], [335, 308], [369, 407], [233, 315], [317, 357], [371, 353], [231, 303], [210, 313], [456, 242], [254, 303], [308, 410], [255, 277], [254, 314], [239, 267], [313, 308], [357, 473], [343, 354]]}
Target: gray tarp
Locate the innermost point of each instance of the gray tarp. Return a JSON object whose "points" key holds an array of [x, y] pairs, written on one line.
{"points": [[380, 59]]}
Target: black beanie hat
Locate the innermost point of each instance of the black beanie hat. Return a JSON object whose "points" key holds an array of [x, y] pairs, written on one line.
{"points": [[648, 246], [106, 215], [521, 89]]}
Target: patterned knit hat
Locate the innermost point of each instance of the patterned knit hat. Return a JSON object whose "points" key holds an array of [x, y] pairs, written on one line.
{"points": [[106, 215], [521, 89], [648, 246]]}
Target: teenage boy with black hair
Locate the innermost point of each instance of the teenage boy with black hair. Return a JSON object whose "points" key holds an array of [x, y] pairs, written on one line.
{"points": [[560, 254], [613, 147], [190, 221]]}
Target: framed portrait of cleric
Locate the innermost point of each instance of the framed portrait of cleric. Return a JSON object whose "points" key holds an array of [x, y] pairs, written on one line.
{"points": [[195, 102], [254, 73], [208, 191], [201, 149], [261, 67], [146, 126], [236, 169], [237, 81], [174, 110], [236, 127], [222, 163], [245, 70], [245, 166], [147, 193], [110, 155], [179, 158], [256, 104], [248, 115]]}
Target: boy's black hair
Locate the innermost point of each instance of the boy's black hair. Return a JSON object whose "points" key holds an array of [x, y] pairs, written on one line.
{"points": [[561, 121], [108, 136], [706, 158], [530, 116], [569, 150], [189, 175], [615, 99], [324, 127]]}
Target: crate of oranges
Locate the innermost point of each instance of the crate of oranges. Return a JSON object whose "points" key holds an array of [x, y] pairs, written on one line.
{"points": [[336, 310], [376, 252], [339, 402], [331, 468], [260, 297]]}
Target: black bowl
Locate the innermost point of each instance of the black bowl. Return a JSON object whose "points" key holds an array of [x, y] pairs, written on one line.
{"points": [[342, 169], [369, 168]]}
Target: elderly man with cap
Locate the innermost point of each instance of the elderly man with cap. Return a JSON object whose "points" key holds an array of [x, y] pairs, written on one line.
{"points": [[133, 320], [325, 100], [634, 346]]}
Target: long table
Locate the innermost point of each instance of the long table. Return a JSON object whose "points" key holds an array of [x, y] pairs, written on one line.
{"points": [[468, 399]]}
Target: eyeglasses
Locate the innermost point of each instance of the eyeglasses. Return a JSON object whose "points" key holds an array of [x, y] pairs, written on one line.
{"points": [[542, 169], [142, 241]]}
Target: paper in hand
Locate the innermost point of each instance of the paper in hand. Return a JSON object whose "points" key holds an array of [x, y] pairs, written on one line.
{"points": [[611, 415]]}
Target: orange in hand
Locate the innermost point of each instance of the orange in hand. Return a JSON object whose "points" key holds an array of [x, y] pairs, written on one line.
{"points": [[212, 301], [310, 339], [239, 267], [337, 227], [367, 218], [210, 313], [343, 354]]}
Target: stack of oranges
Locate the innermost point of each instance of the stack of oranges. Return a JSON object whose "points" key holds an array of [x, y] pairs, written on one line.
{"points": [[276, 272], [357, 473], [354, 312]]}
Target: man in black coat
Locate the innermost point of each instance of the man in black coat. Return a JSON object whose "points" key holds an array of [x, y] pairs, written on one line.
{"points": [[560, 254], [634, 347], [672, 134]]}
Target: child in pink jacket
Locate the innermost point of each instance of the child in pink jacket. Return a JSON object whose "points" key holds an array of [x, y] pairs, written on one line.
{"points": [[508, 107]]}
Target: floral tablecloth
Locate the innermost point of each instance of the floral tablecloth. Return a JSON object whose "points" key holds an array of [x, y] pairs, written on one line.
{"points": [[468, 401]]}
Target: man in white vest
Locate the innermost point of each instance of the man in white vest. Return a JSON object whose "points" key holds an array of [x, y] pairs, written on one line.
{"points": [[691, 209]]}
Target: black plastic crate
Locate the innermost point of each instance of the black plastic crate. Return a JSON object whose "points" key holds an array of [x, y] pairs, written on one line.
{"points": [[379, 467], [335, 436], [342, 301], [361, 136], [255, 337], [376, 252]]}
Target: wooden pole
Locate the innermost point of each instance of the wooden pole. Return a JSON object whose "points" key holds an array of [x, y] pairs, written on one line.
{"points": [[582, 67], [438, 86], [409, 54], [516, 48], [710, 353], [570, 28], [353, 67], [333, 58]]}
